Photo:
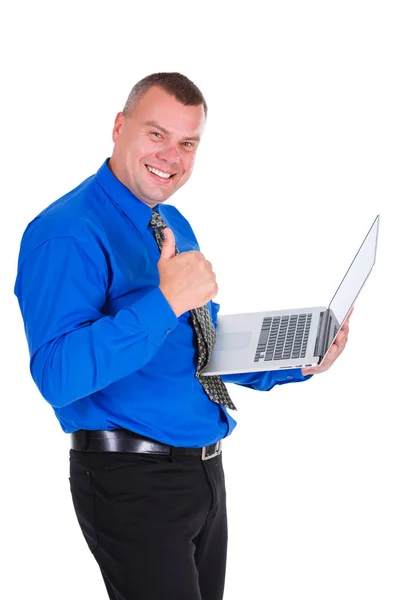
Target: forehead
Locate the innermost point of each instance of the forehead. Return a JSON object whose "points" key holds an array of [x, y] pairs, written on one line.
{"points": [[165, 110]]}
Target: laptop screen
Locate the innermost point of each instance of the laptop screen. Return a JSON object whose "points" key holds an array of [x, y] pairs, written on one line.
{"points": [[356, 275]]}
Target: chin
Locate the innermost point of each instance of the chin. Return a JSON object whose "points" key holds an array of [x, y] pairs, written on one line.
{"points": [[161, 193], [157, 198]]}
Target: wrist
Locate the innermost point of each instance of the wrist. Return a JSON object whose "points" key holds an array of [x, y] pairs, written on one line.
{"points": [[173, 304]]}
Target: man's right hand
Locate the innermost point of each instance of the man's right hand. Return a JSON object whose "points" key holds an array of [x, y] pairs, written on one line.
{"points": [[186, 280]]}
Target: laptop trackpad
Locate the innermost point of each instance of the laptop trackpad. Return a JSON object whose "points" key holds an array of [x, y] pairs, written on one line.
{"points": [[232, 341]]}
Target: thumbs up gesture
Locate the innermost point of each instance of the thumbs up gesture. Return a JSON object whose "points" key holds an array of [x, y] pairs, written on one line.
{"points": [[187, 279]]}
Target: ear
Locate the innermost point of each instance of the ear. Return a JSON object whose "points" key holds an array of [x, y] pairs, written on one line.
{"points": [[118, 124]]}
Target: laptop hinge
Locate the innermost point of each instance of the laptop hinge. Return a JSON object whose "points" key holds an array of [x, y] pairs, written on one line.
{"points": [[325, 319]]}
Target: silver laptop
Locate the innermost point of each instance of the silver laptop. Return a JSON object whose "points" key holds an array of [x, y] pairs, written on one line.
{"points": [[290, 339]]}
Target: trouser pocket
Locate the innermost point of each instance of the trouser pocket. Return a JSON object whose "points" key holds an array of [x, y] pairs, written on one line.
{"points": [[84, 500]]}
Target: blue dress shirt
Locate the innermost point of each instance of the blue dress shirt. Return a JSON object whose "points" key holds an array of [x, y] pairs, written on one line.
{"points": [[106, 349]]}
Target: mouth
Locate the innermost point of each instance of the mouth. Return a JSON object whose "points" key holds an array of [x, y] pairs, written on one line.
{"points": [[159, 175]]}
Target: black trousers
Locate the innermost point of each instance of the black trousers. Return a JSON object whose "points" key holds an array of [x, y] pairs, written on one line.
{"points": [[156, 525]]}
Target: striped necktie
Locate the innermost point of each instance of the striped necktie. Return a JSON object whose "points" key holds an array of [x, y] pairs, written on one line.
{"points": [[205, 331]]}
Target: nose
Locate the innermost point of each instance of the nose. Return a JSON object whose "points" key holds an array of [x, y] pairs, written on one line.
{"points": [[170, 154]]}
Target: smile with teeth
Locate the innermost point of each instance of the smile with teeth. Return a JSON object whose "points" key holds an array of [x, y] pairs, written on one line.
{"points": [[159, 173]]}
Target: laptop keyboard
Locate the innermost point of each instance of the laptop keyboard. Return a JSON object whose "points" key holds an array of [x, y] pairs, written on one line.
{"points": [[283, 338]]}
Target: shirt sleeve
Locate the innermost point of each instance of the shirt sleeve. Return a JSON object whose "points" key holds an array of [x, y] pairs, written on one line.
{"points": [[259, 380], [74, 349]]}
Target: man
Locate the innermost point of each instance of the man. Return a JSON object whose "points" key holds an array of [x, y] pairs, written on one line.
{"points": [[117, 304]]}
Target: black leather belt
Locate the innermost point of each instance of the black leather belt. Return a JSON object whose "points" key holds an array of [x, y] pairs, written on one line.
{"points": [[122, 440]]}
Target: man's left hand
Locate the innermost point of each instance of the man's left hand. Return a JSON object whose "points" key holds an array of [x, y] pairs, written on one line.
{"points": [[334, 351]]}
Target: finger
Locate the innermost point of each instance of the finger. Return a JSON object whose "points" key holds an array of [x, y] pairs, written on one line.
{"points": [[168, 248], [345, 326], [339, 348], [349, 315], [306, 372], [333, 351], [309, 370], [341, 338], [346, 323]]}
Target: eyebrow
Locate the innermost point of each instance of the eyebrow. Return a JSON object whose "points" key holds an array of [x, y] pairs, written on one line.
{"points": [[157, 126]]}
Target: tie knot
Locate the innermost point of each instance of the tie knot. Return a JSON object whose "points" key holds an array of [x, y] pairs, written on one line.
{"points": [[156, 221]]}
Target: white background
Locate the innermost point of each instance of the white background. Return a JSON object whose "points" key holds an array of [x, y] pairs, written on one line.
{"points": [[300, 153]]}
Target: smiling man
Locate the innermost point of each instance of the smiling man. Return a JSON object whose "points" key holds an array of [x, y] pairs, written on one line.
{"points": [[155, 144], [116, 299]]}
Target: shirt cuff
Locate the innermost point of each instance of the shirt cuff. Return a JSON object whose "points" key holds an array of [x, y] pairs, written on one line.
{"points": [[288, 375], [156, 315]]}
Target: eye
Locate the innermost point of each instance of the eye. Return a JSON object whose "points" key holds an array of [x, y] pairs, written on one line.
{"points": [[156, 134], [188, 145]]}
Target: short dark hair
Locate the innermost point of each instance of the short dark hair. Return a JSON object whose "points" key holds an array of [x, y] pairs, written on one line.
{"points": [[176, 84]]}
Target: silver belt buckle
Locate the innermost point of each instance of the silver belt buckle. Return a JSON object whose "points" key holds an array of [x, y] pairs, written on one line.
{"points": [[216, 453]]}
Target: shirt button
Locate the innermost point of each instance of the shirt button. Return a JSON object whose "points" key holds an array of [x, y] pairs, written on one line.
{"points": [[167, 332], [290, 377]]}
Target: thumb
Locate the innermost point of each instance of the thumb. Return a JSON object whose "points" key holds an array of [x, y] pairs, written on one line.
{"points": [[168, 249]]}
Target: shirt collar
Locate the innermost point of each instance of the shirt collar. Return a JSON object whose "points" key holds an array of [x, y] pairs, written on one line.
{"points": [[137, 211]]}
